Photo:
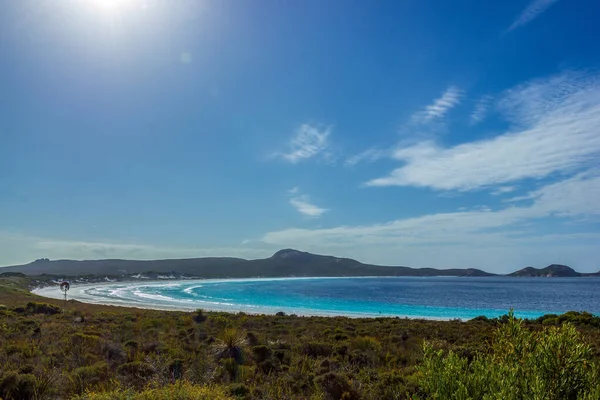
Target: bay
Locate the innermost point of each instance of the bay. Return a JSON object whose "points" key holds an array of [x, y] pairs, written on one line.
{"points": [[414, 297]]}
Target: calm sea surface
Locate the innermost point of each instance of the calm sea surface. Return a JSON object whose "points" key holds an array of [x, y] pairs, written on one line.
{"points": [[430, 297]]}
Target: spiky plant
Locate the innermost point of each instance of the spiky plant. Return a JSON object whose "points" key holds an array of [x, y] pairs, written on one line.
{"points": [[231, 345]]}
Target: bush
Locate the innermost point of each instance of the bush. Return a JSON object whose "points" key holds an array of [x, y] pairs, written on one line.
{"points": [[85, 378], [137, 369], [178, 391], [252, 339], [84, 340], [337, 386], [261, 353], [366, 343], [113, 352], [17, 386], [176, 368], [551, 364], [199, 316], [317, 349], [239, 390], [481, 318], [42, 308], [550, 321], [392, 385]]}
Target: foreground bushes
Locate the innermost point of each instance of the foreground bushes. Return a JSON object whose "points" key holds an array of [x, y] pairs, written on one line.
{"points": [[179, 391], [550, 364], [55, 350]]}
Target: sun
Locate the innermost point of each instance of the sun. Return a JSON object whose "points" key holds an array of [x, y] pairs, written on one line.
{"points": [[110, 5]]}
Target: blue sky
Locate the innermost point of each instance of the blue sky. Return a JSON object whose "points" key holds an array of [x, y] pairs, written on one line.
{"points": [[420, 133]]}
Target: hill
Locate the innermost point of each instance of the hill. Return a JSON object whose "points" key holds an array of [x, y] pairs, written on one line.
{"points": [[284, 263], [554, 270]]}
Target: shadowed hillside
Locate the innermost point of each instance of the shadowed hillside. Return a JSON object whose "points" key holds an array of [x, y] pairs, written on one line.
{"points": [[286, 262]]}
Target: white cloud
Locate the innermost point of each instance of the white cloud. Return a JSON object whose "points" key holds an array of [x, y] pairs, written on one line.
{"points": [[20, 249], [440, 106], [308, 142], [574, 197], [303, 205], [293, 190], [426, 123], [556, 129], [369, 155], [503, 190], [531, 12], [481, 237], [481, 109]]}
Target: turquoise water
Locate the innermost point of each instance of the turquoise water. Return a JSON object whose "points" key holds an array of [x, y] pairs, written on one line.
{"points": [[427, 297]]}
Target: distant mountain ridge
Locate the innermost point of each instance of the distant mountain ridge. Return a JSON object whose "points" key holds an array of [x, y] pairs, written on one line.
{"points": [[284, 263], [553, 270]]}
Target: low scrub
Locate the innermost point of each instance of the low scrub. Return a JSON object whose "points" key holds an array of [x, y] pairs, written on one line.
{"points": [[178, 391], [52, 350]]}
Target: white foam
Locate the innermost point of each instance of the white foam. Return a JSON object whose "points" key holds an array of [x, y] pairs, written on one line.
{"points": [[123, 291]]}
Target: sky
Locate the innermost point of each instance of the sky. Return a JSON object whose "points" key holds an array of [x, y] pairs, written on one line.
{"points": [[425, 133]]}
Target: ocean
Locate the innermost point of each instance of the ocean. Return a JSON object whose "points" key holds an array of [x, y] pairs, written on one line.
{"points": [[413, 297]]}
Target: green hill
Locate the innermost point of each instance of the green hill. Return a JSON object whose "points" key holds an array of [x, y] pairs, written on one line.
{"points": [[554, 270], [284, 263]]}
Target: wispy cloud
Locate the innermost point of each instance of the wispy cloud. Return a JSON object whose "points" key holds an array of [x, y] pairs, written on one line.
{"points": [[426, 123], [21, 248], [303, 205], [369, 155], [440, 106], [481, 109], [531, 12], [308, 141], [455, 238], [555, 130], [503, 190]]}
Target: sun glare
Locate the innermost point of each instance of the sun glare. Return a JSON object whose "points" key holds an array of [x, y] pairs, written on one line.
{"points": [[111, 6], [108, 5]]}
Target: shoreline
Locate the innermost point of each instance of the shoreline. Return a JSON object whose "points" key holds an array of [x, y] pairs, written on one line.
{"points": [[135, 294], [53, 292]]}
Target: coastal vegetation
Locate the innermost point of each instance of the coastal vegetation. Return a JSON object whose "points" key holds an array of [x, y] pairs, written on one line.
{"points": [[50, 349]]}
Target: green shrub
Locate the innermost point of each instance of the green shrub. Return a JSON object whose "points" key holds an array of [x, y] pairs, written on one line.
{"points": [[113, 352], [392, 385], [252, 339], [337, 386], [42, 308], [239, 391], [178, 391], [17, 386], [340, 337], [552, 364], [365, 343], [137, 369], [317, 349], [176, 368], [550, 321], [232, 344], [261, 353], [85, 378], [84, 340], [199, 316]]}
